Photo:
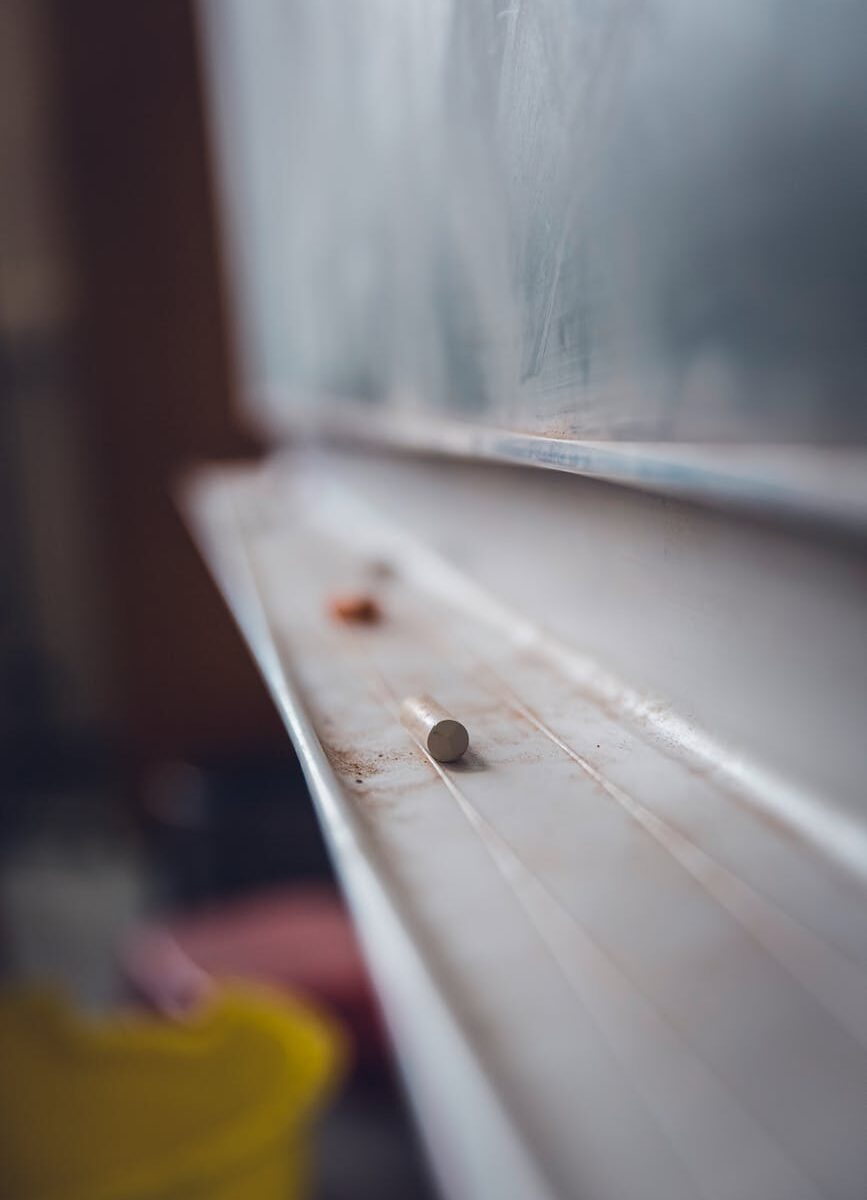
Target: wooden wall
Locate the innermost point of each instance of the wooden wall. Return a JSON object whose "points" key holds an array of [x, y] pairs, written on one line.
{"points": [[153, 366]]}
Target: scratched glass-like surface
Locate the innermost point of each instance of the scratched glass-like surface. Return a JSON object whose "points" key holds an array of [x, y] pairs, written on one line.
{"points": [[637, 219]]}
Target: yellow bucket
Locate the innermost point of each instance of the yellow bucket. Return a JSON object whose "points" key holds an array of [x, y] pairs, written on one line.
{"points": [[131, 1107]]}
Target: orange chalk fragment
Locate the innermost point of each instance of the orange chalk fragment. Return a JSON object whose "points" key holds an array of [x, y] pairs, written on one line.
{"points": [[355, 608]]}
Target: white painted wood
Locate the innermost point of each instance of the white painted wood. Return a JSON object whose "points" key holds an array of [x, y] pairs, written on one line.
{"points": [[637, 943]]}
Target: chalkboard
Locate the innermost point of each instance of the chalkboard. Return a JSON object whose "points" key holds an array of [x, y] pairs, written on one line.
{"points": [[640, 220]]}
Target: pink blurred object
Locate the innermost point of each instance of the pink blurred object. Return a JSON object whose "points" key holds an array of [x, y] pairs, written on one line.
{"points": [[161, 975], [298, 939]]}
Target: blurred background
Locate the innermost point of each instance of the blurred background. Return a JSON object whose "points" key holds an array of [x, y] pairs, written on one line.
{"points": [[130, 713], [622, 237]]}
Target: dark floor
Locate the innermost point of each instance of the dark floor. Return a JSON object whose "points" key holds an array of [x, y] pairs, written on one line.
{"points": [[367, 1150]]}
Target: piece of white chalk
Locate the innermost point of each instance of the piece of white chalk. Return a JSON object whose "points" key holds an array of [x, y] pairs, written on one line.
{"points": [[444, 738]]}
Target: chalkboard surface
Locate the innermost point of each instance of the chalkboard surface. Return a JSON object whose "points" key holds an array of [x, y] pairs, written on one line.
{"points": [[607, 219]]}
